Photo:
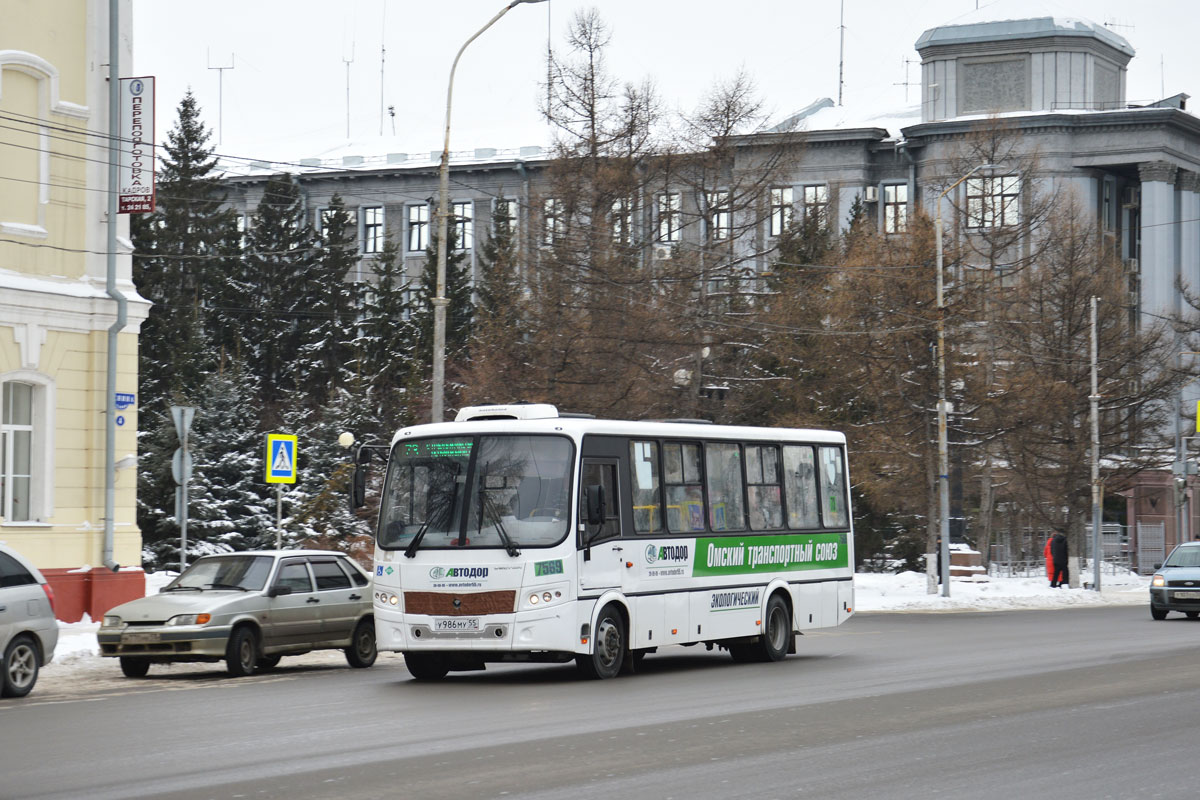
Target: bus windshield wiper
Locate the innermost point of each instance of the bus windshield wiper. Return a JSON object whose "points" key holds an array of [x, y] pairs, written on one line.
{"points": [[487, 505], [411, 550]]}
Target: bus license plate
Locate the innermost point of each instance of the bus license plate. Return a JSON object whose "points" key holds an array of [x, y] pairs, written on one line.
{"points": [[457, 624], [1188, 595], [140, 638]]}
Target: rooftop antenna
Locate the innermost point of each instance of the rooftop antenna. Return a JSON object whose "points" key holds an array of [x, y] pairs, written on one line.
{"points": [[841, 49], [382, 58], [392, 113], [348, 62], [220, 91], [906, 82]]}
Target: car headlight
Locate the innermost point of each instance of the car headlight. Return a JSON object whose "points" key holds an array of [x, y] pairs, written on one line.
{"points": [[111, 621], [1158, 580], [189, 619]]}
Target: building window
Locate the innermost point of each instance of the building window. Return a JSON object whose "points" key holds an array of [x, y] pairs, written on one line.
{"points": [[324, 221], [720, 218], [16, 451], [816, 204], [418, 228], [895, 208], [621, 220], [464, 224], [504, 212], [552, 221], [993, 202], [372, 229], [781, 209], [668, 217]]}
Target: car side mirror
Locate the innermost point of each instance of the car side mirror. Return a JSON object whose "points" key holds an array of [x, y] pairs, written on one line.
{"points": [[596, 506], [1157, 567], [278, 590]]}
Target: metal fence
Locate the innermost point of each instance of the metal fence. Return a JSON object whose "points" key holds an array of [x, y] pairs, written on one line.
{"points": [[1117, 555]]}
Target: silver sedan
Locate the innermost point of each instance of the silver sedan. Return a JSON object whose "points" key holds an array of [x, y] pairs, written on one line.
{"points": [[248, 609]]}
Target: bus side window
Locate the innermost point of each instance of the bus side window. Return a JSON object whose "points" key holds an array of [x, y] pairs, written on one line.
{"points": [[685, 497], [833, 489], [800, 486], [724, 465], [763, 487], [647, 488], [605, 474]]}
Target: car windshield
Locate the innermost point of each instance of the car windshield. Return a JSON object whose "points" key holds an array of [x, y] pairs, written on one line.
{"points": [[1183, 557], [248, 573], [489, 491]]}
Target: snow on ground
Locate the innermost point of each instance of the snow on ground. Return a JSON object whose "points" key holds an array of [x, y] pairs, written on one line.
{"points": [[886, 592]]}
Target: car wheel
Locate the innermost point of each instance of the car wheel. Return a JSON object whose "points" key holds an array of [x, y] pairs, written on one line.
{"points": [[361, 652], [609, 645], [426, 666], [1158, 613], [20, 667], [268, 662], [241, 655], [135, 667]]}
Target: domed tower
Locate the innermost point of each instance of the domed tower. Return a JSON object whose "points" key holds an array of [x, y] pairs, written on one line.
{"points": [[993, 61]]}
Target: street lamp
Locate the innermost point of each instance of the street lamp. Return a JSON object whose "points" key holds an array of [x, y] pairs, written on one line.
{"points": [[943, 459], [440, 301]]}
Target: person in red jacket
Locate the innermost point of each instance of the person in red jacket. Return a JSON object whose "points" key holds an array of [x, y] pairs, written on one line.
{"points": [[1049, 557]]}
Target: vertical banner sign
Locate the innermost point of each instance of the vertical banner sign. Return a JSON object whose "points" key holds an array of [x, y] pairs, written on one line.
{"points": [[136, 170]]}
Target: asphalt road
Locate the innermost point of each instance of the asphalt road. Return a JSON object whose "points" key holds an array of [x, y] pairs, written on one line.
{"points": [[1087, 703]]}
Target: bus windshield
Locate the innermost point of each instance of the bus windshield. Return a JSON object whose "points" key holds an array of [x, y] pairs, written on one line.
{"points": [[480, 492]]}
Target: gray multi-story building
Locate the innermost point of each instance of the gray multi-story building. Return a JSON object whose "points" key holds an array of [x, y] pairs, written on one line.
{"points": [[1055, 85]]}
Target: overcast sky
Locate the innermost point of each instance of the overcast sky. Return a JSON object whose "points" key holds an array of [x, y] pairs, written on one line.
{"points": [[285, 97]]}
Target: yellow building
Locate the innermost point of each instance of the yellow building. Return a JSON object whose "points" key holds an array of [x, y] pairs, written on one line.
{"points": [[54, 310]]}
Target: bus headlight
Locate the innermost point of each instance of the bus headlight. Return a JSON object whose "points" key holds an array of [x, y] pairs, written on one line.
{"points": [[542, 595]]}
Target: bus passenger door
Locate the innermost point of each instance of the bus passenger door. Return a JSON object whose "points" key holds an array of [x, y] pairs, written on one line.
{"points": [[601, 553]]}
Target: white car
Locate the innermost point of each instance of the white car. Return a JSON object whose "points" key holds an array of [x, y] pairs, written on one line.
{"points": [[28, 629]]}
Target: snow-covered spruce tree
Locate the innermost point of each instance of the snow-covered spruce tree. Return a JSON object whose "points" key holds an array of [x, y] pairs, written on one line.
{"points": [[459, 314], [498, 347], [270, 290], [328, 337], [181, 251], [388, 343], [316, 507]]}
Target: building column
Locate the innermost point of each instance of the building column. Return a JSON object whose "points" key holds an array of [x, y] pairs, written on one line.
{"points": [[1188, 184], [1158, 261]]}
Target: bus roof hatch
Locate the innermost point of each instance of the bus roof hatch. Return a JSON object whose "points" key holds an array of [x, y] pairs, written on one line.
{"points": [[513, 411]]}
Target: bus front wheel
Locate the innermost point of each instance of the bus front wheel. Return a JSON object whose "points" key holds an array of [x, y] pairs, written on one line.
{"points": [[609, 645], [426, 666]]}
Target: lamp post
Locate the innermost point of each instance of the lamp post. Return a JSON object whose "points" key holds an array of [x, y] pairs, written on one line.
{"points": [[943, 458], [440, 301]]}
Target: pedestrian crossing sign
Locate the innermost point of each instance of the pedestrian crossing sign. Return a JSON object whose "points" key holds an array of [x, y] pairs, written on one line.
{"points": [[281, 458]]}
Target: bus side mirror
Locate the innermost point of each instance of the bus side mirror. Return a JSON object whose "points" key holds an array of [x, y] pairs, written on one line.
{"points": [[596, 510], [358, 489]]}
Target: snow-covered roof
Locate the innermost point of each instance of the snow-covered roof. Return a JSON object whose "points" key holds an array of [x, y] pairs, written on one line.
{"points": [[1018, 19]]}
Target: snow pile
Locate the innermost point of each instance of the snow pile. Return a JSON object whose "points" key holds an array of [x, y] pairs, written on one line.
{"points": [[906, 591]]}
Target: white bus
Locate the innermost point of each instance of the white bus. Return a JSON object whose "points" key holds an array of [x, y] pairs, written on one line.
{"points": [[517, 533]]}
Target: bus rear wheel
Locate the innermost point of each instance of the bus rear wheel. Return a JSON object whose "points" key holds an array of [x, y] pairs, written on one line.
{"points": [[772, 644], [609, 646], [426, 666]]}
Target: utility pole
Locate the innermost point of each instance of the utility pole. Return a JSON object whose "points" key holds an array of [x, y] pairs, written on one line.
{"points": [[1097, 537]]}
